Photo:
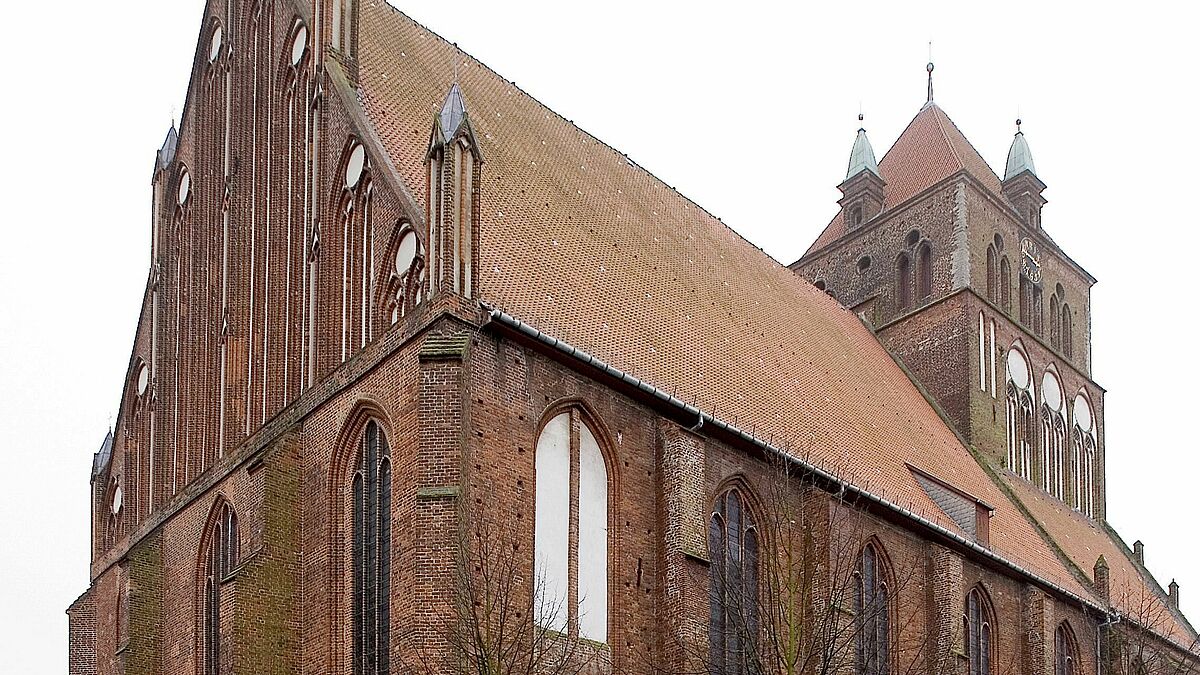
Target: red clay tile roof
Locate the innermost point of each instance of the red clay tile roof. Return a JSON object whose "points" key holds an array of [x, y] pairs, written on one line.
{"points": [[930, 150], [1132, 592], [588, 247]]}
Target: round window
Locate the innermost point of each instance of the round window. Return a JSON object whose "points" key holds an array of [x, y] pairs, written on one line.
{"points": [[354, 167], [1018, 369], [185, 187], [299, 45], [214, 48], [143, 380], [406, 253]]}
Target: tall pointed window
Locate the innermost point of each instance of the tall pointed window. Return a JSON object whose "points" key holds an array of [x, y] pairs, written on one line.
{"points": [[992, 274], [220, 559], [1055, 333], [372, 544], [1083, 455], [977, 631], [1020, 397], [733, 585], [1053, 441], [924, 272], [1005, 285], [1065, 330], [1066, 653], [871, 614], [571, 530], [903, 282]]}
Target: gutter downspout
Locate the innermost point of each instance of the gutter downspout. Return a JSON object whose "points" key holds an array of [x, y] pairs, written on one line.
{"points": [[515, 324], [1110, 620]]}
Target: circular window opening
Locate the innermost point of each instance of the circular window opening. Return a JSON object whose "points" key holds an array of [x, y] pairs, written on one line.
{"points": [[143, 380], [185, 187], [118, 497], [214, 48], [299, 45], [864, 263], [406, 253], [354, 167], [820, 284], [913, 237]]}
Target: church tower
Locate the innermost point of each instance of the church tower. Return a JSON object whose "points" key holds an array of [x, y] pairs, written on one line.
{"points": [[951, 266]]}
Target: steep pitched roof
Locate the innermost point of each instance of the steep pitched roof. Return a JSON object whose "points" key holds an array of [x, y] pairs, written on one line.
{"points": [[929, 150], [585, 245]]}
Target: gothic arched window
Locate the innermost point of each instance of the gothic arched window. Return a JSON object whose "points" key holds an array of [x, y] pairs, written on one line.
{"points": [[220, 559], [924, 272], [992, 272], [1065, 330], [1053, 455], [571, 529], [1020, 397], [977, 631], [871, 614], [372, 553], [733, 585], [1066, 653], [1083, 455], [1055, 341], [1005, 285], [903, 282]]}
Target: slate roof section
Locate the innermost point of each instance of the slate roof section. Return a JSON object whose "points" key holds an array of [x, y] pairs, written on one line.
{"points": [[929, 150], [583, 244]]}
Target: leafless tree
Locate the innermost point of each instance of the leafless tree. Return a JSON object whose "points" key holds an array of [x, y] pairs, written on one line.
{"points": [[1148, 639], [502, 615], [820, 597]]}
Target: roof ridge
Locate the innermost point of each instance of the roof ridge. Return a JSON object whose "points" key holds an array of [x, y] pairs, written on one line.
{"points": [[946, 137], [387, 4]]}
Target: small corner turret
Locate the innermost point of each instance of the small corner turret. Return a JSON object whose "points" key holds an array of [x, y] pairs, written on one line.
{"points": [[455, 168], [862, 191], [1022, 187]]}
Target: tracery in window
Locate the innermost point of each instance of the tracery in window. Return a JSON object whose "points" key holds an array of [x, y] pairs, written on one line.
{"points": [[220, 559], [1066, 652], [371, 553], [872, 614], [733, 547], [1020, 397], [571, 530], [1053, 440], [1083, 455], [977, 631]]}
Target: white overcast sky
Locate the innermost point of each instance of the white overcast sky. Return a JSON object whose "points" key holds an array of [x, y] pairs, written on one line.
{"points": [[748, 108]]}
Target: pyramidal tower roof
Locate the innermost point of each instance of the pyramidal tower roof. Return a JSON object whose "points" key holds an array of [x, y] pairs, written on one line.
{"points": [[862, 155], [929, 150], [1020, 159]]}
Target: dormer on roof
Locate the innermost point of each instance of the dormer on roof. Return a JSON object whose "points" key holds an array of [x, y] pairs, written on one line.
{"points": [[862, 191], [455, 166], [1022, 187]]}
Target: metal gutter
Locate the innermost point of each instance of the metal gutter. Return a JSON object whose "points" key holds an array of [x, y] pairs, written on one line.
{"points": [[704, 419]]}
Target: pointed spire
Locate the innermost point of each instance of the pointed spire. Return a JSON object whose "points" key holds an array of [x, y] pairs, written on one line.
{"points": [[1020, 159], [454, 112], [862, 155], [929, 93]]}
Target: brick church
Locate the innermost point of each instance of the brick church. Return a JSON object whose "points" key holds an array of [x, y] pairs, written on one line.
{"points": [[427, 379]]}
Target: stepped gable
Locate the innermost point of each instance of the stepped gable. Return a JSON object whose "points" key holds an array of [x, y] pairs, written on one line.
{"points": [[1082, 540], [586, 246], [929, 150]]}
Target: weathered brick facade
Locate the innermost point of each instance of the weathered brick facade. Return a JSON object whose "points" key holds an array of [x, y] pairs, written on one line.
{"points": [[287, 311]]}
